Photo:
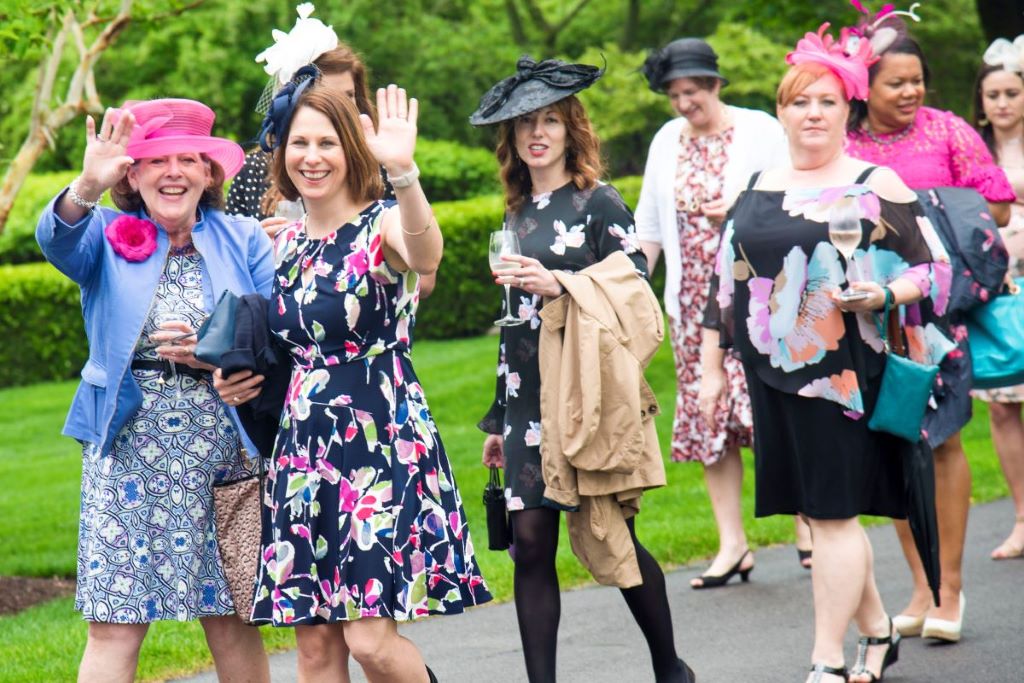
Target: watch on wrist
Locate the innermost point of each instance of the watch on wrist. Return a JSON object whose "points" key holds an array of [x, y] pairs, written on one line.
{"points": [[406, 179]]}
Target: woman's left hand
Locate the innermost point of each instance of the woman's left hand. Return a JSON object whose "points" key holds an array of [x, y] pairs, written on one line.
{"points": [[874, 301], [394, 141], [173, 348], [530, 276]]}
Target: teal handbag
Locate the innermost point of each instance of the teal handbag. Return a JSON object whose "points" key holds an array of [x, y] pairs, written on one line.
{"points": [[995, 332], [906, 385]]}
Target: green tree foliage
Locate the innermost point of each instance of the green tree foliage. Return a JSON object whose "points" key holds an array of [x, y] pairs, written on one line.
{"points": [[447, 52]]}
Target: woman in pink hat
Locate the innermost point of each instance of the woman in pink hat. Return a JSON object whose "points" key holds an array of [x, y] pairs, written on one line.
{"points": [[155, 434]]}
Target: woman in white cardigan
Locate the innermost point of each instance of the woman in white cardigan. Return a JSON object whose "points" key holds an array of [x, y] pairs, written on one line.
{"points": [[697, 165]]}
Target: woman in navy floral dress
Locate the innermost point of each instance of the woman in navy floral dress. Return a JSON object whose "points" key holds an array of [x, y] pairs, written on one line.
{"points": [[364, 526], [565, 219]]}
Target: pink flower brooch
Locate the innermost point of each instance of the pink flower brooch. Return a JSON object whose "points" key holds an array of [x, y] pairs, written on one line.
{"points": [[133, 239]]}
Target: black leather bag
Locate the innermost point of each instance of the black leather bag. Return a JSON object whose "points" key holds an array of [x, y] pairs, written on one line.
{"points": [[499, 529], [216, 336]]}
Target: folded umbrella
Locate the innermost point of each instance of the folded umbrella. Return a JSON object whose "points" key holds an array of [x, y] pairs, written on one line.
{"points": [[919, 475]]}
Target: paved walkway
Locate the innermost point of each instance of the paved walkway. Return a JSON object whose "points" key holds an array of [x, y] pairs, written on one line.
{"points": [[758, 632]]}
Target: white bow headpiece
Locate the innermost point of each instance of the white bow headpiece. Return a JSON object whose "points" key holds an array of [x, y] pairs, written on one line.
{"points": [[291, 51], [1005, 54]]}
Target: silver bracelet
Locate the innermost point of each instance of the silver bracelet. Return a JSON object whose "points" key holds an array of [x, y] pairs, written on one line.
{"points": [[406, 179], [78, 200]]}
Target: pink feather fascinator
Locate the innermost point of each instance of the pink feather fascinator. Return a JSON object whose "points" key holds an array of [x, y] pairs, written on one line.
{"points": [[848, 58]]}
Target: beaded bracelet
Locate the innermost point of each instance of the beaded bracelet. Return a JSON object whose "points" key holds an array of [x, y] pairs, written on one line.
{"points": [[79, 200]]}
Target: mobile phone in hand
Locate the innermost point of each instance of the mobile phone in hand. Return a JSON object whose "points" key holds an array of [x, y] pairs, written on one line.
{"points": [[853, 295]]}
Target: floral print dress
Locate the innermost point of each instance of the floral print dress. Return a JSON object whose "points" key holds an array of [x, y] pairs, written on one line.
{"points": [[813, 372], [147, 548], [699, 177], [566, 229], [362, 515]]}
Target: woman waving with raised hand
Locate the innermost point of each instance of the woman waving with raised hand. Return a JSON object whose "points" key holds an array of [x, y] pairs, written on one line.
{"points": [[364, 527]]}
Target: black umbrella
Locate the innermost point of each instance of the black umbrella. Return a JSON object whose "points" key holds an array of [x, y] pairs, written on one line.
{"points": [[499, 530], [919, 475]]}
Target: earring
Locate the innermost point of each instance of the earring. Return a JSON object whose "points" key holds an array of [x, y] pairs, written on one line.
{"points": [[982, 122]]}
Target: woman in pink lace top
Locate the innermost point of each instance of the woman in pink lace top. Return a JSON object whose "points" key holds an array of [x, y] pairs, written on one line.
{"points": [[932, 148]]}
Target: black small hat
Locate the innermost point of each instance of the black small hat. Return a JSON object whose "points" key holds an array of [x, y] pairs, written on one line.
{"points": [[682, 58], [533, 86]]}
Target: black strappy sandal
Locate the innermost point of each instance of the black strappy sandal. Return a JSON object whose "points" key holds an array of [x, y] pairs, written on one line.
{"points": [[820, 669], [892, 653]]}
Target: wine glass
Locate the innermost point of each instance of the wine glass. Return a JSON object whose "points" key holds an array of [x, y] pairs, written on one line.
{"points": [[845, 233], [161, 319], [293, 211], [504, 243]]}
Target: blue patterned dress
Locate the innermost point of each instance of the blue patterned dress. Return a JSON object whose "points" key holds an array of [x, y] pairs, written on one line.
{"points": [[147, 548], [362, 515]]}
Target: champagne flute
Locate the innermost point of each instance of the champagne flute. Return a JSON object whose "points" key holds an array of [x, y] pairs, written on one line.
{"points": [[161, 319], [504, 243], [293, 211], [845, 233]]}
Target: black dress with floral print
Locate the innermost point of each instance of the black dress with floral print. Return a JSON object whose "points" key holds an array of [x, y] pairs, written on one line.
{"points": [[566, 229]]}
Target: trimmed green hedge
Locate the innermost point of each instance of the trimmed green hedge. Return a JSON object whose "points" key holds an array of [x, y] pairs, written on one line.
{"points": [[450, 171], [18, 240], [43, 307], [39, 308], [466, 301]]}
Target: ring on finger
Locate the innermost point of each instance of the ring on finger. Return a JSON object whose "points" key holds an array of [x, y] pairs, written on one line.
{"points": [[520, 280]]}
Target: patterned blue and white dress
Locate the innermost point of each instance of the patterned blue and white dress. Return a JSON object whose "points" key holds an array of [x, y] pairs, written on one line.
{"points": [[146, 548]]}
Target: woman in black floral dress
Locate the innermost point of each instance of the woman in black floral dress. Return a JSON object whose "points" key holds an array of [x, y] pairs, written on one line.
{"points": [[565, 219]]}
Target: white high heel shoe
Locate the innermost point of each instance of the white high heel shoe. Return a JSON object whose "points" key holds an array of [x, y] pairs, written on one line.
{"points": [[944, 629], [907, 625]]}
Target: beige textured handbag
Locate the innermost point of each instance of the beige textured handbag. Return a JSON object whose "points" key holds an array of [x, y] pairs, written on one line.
{"points": [[236, 512]]}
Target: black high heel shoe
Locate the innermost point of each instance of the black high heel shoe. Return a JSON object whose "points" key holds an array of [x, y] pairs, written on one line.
{"points": [[892, 653], [803, 556], [819, 669], [708, 581], [433, 678]]}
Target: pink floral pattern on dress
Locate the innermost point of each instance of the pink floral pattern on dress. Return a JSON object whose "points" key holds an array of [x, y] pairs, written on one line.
{"points": [[699, 177]]}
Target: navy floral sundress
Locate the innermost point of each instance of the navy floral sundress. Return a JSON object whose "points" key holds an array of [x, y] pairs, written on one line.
{"points": [[362, 515]]}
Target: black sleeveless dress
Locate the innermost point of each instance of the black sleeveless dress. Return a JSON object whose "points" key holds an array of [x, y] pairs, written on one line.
{"points": [[814, 372]]}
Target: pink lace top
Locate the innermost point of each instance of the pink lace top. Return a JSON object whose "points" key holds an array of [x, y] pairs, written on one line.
{"points": [[942, 150]]}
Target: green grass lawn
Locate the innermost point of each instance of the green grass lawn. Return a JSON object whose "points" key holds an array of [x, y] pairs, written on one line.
{"points": [[39, 471]]}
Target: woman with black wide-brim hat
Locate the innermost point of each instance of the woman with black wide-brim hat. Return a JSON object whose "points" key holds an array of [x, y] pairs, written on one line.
{"points": [[565, 220]]}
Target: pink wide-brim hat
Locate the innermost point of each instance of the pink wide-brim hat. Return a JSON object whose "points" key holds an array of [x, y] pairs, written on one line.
{"points": [[174, 126]]}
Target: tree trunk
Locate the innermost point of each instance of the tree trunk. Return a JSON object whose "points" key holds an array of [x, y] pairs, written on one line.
{"points": [[19, 170], [630, 27], [1001, 18]]}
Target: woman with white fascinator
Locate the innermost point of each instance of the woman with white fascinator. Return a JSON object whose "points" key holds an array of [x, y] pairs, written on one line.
{"points": [[341, 68], [999, 117]]}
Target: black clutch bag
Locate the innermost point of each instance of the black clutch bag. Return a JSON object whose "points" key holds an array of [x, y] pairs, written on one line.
{"points": [[216, 336], [499, 530]]}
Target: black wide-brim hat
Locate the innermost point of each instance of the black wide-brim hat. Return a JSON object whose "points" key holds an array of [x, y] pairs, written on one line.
{"points": [[682, 58], [533, 86]]}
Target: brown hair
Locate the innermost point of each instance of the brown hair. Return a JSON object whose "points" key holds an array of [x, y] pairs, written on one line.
{"points": [[127, 199], [582, 153], [796, 80], [340, 60], [978, 112], [363, 173]]}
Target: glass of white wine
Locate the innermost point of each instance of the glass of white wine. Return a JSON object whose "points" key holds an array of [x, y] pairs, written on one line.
{"points": [[504, 243], [845, 233]]}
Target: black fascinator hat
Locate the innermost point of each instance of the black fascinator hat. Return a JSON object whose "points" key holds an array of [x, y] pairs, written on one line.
{"points": [[533, 86], [682, 58]]}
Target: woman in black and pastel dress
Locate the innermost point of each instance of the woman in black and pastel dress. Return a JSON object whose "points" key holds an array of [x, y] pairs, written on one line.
{"points": [[565, 219]]}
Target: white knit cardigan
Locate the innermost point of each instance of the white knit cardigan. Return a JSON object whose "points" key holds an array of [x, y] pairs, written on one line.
{"points": [[758, 143]]}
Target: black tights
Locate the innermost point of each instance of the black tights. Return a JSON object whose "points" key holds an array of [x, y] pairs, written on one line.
{"points": [[538, 602]]}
